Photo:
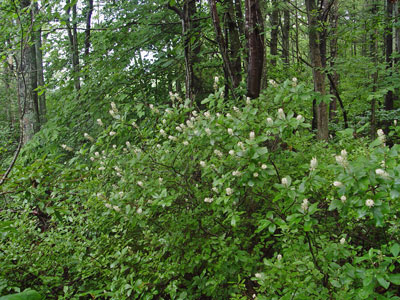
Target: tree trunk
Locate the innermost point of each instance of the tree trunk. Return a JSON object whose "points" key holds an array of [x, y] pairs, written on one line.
{"points": [[333, 51], [73, 40], [389, 103], [318, 74], [285, 33], [255, 39], [274, 32], [88, 25], [374, 57], [40, 73]]}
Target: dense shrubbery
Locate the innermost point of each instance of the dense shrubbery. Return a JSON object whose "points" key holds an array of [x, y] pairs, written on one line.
{"points": [[226, 203]]}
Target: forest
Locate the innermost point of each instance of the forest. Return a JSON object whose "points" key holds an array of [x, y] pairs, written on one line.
{"points": [[200, 150]]}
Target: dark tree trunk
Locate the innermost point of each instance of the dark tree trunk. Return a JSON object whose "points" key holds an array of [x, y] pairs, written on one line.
{"points": [[255, 39], [374, 57], [317, 63], [274, 32], [88, 25], [285, 33], [389, 99], [333, 51], [73, 40]]}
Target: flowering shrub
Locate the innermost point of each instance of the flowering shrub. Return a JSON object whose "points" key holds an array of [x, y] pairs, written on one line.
{"points": [[232, 202]]}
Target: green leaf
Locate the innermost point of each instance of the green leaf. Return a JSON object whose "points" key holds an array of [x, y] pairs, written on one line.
{"points": [[25, 295], [395, 249], [383, 282], [394, 278]]}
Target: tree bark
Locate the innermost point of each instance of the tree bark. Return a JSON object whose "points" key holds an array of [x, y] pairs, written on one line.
{"points": [[333, 54], [274, 32], [73, 40], [318, 74], [255, 39], [285, 33], [389, 99]]}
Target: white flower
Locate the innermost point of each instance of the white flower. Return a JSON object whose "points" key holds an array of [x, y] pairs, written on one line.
{"points": [[172, 138], [189, 124], [304, 205], [218, 115], [88, 137], [92, 158], [343, 153], [162, 131], [252, 135], [151, 106], [230, 131], [140, 183], [236, 173], [114, 146], [207, 114], [102, 168], [112, 133], [248, 101], [228, 115], [279, 257], [216, 79], [67, 148], [281, 114], [134, 124], [178, 128], [395, 122], [285, 182], [382, 173], [186, 143], [116, 208], [369, 203], [313, 163], [229, 191], [108, 205], [218, 153], [241, 145], [231, 152], [273, 83], [380, 132], [270, 121], [294, 81], [164, 121], [208, 200], [236, 109], [121, 194], [114, 107], [263, 166], [299, 118], [208, 131], [255, 174], [139, 210], [202, 163], [158, 146], [116, 168], [337, 183], [341, 160], [215, 190], [258, 275], [96, 154], [343, 199], [160, 180], [342, 241], [100, 122]]}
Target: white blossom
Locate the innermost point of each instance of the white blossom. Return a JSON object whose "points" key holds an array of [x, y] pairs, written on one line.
{"points": [[208, 200], [341, 160], [313, 163], [369, 203], [342, 241], [281, 114], [139, 210], [382, 173], [230, 131], [337, 183], [304, 205], [114, 107], [236, 109], [395, 122], [248, 101], [270, 121], [121, 194], [236, 173], [158, 146], [116, 208], [88, 137], [252, 135], [380, 132], [299, 118], [207, 114], [241, 145], [97, 154], [343, 153], [208, 131], [92, 158], [294, 81], [263, 166], [202, 163], [163, 133], [160, 180], [178, 128], [231, 152], [229, 191], [273, 83], [186, 143], [279, 257], [228, 115], [218, 153], [112, 133], [102, 168], [140, 183], [215, 190], [255, 174], [108, 205], [343, 199], [285, 182], [258, 275], [100, 122], [67, 148], [114, 146]]}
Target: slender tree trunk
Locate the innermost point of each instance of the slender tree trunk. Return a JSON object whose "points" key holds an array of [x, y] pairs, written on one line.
{"points": [[333, 49], [374, 57], [88, 26], [39, 68], [73, 39], [255, 38], [318, 74], [285, 33], [389, 103], [274, 32]]}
